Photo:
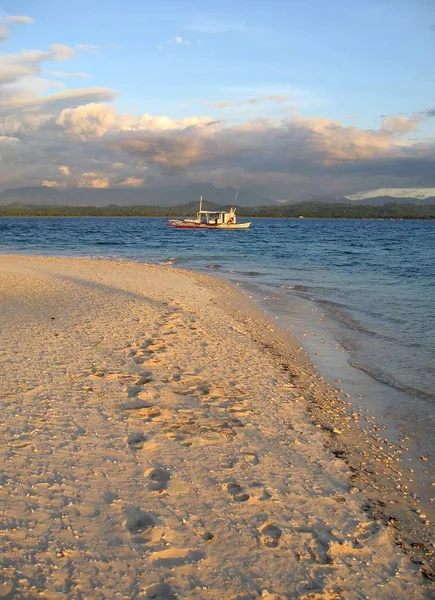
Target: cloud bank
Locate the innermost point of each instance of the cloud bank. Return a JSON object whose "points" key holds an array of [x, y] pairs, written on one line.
{"points": [[60, 137]]}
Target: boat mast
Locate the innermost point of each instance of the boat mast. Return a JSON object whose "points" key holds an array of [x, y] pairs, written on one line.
{"points": [[233, 210], [198, 214], [235, 199]]}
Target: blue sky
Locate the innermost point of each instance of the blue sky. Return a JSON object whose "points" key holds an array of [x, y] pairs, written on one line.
{"points": [[355, 63]]}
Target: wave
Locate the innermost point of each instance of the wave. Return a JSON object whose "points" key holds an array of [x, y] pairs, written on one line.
{"points": [[336, 310], [387, 379], [173, 260], [108, 243], [248, 273]]}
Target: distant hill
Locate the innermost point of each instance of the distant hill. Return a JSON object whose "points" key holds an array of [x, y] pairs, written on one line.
{"points": [[318, 209], [382, 200], [171, 197], [47, 196], [377, 201]]}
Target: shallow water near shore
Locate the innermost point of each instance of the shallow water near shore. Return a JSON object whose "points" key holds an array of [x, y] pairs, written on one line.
{"points": [[360, 296]]}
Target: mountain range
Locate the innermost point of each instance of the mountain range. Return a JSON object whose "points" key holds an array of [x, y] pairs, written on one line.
{"points": [[165, 197]]}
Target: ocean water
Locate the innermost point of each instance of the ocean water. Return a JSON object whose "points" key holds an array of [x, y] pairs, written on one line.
{"points": [[359, 294]]}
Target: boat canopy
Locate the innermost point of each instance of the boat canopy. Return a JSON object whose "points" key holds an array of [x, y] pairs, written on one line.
{"points": [[220, 216]]}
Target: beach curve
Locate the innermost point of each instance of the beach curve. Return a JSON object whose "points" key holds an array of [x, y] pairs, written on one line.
{"points": [[162, 438]]}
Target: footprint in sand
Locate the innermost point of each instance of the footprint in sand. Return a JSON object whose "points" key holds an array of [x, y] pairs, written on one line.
{"points": [[155, 346], [228, 463], [137, 520], [240, 413], [250, 457], [260, 492], [174, 436], [236, 492], [160, 591], [323, 595], [147, 351], [142, 409], [311, 547], [198, 527], [136, 440], [270, 596], [176, 557], [158, 479], [138, 383], [134, 405], [270, 535], [143, 379], [139, 359]]}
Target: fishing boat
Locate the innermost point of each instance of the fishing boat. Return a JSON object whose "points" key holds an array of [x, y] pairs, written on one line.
{"points": [[210, 219]]}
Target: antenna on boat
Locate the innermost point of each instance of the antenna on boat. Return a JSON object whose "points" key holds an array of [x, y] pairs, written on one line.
{"points": [[200, 204]]}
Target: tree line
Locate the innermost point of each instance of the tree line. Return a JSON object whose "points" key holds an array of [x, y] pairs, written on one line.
{"points": [[303, 209]]}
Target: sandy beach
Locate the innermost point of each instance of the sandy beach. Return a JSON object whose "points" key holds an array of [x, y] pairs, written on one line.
{"points": [[161, 438]]}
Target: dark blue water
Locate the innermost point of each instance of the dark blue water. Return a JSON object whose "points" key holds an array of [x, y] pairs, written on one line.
{"points": [[376, 278]]}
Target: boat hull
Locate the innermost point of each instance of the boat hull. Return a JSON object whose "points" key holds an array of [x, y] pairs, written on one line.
{"points": [[187, 225]]}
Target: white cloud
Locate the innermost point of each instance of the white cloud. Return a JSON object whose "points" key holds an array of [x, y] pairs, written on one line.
{"points": [[6, 139], [5, 31], [50, 183], [417, 193], [133, 182], [180, 41], [24, 19], [401, 124], [61, 52], [89, 120], [31, 57], [73, 137], [158, 122], [93, 48], [25, 64], [64, 170], [67, 75], [94, 180], [250, 101], [177, 40], [277, 98], [11, 73], [223, 104], [57, 101]]}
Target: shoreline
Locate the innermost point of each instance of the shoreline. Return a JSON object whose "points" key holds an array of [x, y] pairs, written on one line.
{"points": [[374, 401], [358, 438], [275, 385]]}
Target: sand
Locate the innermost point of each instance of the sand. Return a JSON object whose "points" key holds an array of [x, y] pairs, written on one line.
{"points": [[161, 439]]}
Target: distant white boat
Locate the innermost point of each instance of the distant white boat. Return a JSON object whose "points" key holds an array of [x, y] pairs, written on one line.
{"points": [[210, 219]]}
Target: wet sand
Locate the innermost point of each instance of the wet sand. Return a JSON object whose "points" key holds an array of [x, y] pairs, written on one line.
{"points": [[161, 438]]}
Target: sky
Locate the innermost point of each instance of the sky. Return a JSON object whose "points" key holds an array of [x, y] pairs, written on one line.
{"points": [[292, 98]]}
